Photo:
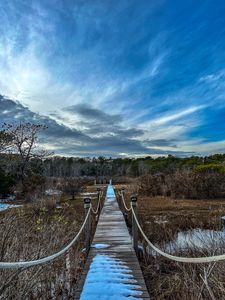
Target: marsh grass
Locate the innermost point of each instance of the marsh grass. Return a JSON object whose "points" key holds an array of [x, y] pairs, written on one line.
{"points": [[162, 219], [37, 230]]}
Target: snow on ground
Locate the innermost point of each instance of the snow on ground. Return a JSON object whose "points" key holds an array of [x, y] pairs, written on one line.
{"points": [[88, 193], [6, 206], [109, 279]]}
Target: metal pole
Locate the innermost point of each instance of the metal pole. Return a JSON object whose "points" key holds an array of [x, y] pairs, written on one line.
{"points": [[87, 205], [133, 199]]}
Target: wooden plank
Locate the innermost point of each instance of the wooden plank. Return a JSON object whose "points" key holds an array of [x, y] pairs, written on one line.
{"points": [[112, 267]]}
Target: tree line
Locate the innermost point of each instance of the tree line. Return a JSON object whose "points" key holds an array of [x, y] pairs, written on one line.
{"points": [[116, 167], [24, 165]]}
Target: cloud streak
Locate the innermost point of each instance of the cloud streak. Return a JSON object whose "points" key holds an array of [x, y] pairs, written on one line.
{"points": [[116, 78], [114, 140]]}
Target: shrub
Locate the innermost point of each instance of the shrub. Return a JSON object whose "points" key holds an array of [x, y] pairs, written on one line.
{"points": [[151, 185], [184, 184], [6, 183], [210, 168]]}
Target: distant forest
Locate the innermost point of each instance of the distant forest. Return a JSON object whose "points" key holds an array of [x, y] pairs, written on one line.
{"points": [[190, 177], [101, 166]]}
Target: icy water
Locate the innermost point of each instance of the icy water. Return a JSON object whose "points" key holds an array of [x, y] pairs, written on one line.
{"points": [[4, 206], [197, 239]]}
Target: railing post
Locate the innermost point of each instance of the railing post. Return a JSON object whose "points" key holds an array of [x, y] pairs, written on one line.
{"points": [[133, 199], [122, 205], [122, 195], [87, 205], [100, 205]]}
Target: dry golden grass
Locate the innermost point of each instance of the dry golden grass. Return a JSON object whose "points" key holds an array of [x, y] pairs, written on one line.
{"points": [[38, 230], [162, 218]]}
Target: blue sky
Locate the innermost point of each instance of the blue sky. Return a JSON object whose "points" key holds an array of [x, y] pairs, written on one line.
{"points": [[116, 78]]}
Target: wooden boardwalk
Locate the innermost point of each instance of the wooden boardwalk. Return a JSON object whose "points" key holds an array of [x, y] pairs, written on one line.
{"points": [[112, 270]]}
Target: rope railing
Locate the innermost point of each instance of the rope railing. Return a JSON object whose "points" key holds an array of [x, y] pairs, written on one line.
{"points": [[26, 264], [95, 212], [193, 260], [124, 203]]}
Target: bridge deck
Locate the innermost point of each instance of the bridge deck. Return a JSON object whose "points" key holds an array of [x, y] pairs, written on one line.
{"points": [[112, 270]]}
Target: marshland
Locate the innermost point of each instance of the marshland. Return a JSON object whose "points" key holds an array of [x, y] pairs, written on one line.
{"points": [[112, 150], [181, 208]]}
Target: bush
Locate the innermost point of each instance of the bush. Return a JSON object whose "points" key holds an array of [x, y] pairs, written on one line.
{"points": [[185, 184], [210, 168], [34, 184], [6, 183], [151, 185]]}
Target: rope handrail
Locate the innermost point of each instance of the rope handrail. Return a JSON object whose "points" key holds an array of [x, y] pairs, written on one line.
{"points": [[124, 203], [99, 202], [25, 264], [194, 260]]}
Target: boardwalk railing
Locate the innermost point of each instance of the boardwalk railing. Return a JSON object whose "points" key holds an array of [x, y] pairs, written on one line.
{"points": [[136, 226], [86, 226]]}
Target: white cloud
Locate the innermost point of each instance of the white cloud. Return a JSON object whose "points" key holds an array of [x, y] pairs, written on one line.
{"points": [[201, 147], [175, 115], [211, 78]]}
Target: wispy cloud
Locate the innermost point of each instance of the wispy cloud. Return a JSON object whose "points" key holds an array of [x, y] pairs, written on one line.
{"points": [[123, 71], [100, 135], [175, 115]]}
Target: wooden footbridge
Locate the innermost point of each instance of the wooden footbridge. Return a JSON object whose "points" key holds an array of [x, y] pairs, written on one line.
{"points": [[112, 270]]}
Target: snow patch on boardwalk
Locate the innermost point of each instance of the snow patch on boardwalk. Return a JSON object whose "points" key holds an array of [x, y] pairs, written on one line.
{"points": [[110, 193], [100, 246], [114, 266], [110, 278]]}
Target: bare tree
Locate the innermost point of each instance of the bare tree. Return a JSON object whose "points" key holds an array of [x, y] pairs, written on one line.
{"points": [[72, 185], [5, 140], [24, 143]]}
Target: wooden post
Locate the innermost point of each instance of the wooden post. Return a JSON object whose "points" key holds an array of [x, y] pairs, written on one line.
{"points": [[100, 205], [87, 205], [133, 199], [123, 195], [122, 205], [223, 223]]}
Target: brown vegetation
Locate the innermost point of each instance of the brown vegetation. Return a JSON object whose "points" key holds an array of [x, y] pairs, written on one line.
{"points": [[162, 218], [184, 184], [37, 230]]}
